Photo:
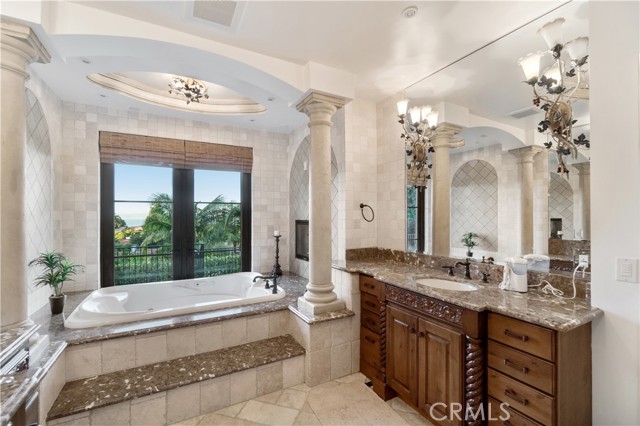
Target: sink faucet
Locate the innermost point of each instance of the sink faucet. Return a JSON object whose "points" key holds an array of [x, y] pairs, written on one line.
{"points": [[466, 264]]}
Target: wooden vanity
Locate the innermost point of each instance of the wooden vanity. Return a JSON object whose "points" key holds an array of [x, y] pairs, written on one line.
{"points": [[443, 360]]}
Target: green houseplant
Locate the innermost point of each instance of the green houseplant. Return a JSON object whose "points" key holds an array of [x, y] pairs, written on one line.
{"points": [[56, 269], [469, 242]]}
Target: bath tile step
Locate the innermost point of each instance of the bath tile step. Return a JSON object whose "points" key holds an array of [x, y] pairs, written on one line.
{"points": [[81, 396]]}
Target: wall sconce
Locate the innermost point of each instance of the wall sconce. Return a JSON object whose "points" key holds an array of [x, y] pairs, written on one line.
{"points": [[419, 126], [564, 82]]}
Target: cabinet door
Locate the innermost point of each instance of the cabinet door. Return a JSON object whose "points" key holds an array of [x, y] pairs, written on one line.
{"points": [[401, 353], [440, 373]]}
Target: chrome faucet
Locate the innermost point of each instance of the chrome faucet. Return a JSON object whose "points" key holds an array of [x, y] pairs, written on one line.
{"points": [[466, 264]]}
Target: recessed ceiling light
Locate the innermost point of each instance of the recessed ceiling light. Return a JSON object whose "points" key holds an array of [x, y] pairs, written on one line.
{"points": [[85, 61], [103, 95], [410, 12], [483, 136], [271, 98], [252, 120]]}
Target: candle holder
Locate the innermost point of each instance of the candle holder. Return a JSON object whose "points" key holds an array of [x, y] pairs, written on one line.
{"points": [[277, 271]]}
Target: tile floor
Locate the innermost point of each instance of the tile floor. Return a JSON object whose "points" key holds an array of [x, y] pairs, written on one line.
{"points": [[345, 401]]}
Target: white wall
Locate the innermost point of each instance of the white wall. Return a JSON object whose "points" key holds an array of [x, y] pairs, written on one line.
{"points": [[615, 208], [80, 179]]}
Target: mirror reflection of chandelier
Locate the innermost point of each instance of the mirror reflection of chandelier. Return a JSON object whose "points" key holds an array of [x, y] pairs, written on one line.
{"points": [[419, 126], [190, 88], [564, 82]]}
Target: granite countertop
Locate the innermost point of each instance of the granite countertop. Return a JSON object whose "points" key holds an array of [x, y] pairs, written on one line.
{"points": [[14, 336], [54, 325], [17, 387], [534, 306]]}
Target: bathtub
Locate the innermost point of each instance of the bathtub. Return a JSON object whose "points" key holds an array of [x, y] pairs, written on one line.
{"points": [[136, 302]]}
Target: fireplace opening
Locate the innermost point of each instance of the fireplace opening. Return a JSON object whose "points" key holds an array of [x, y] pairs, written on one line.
{"points": [[302, 239]]}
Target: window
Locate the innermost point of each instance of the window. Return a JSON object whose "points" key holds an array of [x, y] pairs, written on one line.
{"points": [[172, 208], [416, 210]]}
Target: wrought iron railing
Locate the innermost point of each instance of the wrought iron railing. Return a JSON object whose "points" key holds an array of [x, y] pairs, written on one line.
{"points": [[133, 265]]}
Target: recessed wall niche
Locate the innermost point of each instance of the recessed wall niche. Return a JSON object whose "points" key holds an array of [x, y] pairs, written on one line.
{"points": [[561, 204], [38, 191], [474, 204], [299, 203]]}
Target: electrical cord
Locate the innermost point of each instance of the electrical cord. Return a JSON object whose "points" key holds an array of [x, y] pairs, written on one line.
{"points": [[549, 289]]}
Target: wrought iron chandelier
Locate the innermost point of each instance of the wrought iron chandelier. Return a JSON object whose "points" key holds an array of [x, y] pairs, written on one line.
{"points": [[190, 88], [419, 126], [564, 82]]}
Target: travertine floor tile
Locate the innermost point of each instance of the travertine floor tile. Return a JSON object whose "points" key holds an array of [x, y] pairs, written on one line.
{"points": [[217, 419], [302, 387], [189, 422], [414, 419], [292, 398], [399, 405], [231, 411], [270, 398], [352, 404], [307, 419], [352, 378], [267, 414]]}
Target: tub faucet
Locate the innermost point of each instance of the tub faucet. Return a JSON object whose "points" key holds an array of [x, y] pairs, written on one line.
{"points": [[466, 264]]}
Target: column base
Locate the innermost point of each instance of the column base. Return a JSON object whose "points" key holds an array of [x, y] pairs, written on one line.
{"points": [[310, 309]]}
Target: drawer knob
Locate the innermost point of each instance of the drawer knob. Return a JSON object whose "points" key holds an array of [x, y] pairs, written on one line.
{"points": [[513, 335], [412, 330], [370, 340], [422, 334], [511, 394], [370, 304], [369, 286], [515, 366], [371, 322]]}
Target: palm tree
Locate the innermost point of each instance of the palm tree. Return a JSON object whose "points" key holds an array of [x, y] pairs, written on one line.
{"points": [[218, 224], [159, 222]]}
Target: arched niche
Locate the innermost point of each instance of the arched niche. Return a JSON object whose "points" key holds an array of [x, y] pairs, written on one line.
{"points": [[474, 205]]}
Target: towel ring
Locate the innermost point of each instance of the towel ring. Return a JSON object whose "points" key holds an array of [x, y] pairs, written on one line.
{"points": [[373, 215]]}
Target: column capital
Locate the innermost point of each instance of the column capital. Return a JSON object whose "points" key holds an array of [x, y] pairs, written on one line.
{"points": [[315, 103], [444, 133], [526, 154], [583, 168], [20, 46]]}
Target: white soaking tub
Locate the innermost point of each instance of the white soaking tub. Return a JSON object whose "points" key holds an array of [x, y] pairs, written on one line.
{"points": [[135, 302]]}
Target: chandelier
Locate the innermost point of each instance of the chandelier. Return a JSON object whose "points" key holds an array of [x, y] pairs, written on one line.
{"points": [[419, 126], [563, 83], [190, 88]]}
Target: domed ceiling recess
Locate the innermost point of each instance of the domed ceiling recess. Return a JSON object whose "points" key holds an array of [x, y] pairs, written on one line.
{"points": [[153, 88]]}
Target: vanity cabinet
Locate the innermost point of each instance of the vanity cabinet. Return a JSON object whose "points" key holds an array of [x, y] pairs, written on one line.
{"points": [[435, 356], [373, 348], [544, 375]]}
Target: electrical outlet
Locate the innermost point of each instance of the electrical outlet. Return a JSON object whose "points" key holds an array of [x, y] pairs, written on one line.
{"points": [[583, 259]]}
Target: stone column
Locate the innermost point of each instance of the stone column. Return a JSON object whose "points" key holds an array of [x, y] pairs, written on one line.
{"points": [[525, 156], [441, 189], [584, 185], [320, 296], [19, 46]]}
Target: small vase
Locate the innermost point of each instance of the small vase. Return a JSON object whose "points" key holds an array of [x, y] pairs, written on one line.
{"points": [[469, 253], [56, 303]]}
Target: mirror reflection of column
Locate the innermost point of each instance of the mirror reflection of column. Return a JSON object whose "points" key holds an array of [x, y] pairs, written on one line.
{"points": [[584, 195]]}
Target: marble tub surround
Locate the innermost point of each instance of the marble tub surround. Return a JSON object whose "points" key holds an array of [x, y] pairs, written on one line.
{"points": [[15, 388], [54, 325], [534, 306], [114, 388], [12, 338], [565, 248]]}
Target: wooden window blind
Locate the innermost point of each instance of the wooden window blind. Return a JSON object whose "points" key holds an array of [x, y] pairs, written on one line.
{"points": [[176, 153]]}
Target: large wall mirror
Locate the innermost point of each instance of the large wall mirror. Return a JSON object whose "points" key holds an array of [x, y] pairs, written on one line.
{"points": [[485, 94]]}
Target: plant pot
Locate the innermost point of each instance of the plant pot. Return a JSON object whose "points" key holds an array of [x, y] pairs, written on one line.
{"points": [[469, 253], [56, 303]]}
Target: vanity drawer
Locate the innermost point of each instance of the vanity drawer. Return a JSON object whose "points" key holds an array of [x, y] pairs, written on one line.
{"points": [[371, 286], [371, 320], [523, 398], [538, 341], [370, 348], [506, 416], [369, 303], [526, 368]]}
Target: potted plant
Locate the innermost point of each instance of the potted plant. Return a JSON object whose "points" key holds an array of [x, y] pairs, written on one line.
{"points": [[469, 242], [56, 269]]}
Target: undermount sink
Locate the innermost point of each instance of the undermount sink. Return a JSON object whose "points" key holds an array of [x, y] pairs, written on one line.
{"points": [[446, 285]]}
